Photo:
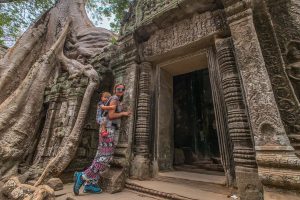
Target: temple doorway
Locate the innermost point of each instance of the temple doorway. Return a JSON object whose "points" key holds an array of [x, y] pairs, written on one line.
{"points": [[196, 145], [186, 140]]}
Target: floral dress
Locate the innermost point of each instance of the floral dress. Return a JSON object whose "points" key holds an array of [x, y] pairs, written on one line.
{"points": [[106, 147]]}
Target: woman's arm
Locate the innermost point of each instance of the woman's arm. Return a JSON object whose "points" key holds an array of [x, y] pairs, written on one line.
{"points": [[107, 107], [112, 113]]}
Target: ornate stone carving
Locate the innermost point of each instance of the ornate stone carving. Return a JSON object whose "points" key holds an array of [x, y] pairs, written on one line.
{"points": [[225, 142], [293, 68], [185, 32], [148, 8], [63, 98], [140, 165], [142, 134], [271, 141], [285, 96], [238, 125]]}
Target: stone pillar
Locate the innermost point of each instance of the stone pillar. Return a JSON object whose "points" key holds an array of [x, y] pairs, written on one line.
{"points": [[140, 167], [278, 165], [225, 143], [248, 183]]}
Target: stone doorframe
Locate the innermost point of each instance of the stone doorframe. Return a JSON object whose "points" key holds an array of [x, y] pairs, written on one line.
{"points": [[234, 135], [163, 133], [232, 67]]}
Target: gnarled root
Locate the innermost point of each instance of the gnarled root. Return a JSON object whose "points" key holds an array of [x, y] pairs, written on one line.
{"points": [[14, 189], [67, 153], [34, 84]]}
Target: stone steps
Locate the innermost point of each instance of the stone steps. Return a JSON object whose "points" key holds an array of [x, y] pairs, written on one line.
{"points": [[212, 164], [197, 179], [180, 188]]}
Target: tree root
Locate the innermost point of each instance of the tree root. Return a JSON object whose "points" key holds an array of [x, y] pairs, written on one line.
{"points": [[67, 153], [34, 84], [21, 105], [14, 189]]}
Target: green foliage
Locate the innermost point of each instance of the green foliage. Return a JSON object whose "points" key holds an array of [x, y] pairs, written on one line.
{"points": [[15, 17], [108, 8]]}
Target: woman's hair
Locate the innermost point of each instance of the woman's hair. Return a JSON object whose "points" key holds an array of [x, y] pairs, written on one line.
{"points": [[105, 94]]}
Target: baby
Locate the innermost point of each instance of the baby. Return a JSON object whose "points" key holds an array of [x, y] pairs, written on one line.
{"points": [[103, 106]]}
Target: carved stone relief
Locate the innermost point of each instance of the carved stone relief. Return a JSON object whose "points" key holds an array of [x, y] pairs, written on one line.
{"points": [[273, 150], [293, 67], [185, 32], [140, 167], [278, 70], [238, 123]]}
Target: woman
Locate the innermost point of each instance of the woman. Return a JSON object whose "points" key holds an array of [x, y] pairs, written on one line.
{"points": [[106, 146]]}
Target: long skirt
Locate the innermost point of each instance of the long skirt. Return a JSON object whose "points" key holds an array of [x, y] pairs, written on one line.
{"points": [[104, 155]]}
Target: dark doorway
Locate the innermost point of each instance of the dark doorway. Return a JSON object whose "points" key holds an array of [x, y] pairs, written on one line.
{"points": [[195, 135]]}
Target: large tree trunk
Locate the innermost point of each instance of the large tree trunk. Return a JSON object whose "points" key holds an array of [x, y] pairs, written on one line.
{"points": [[63, 38]]}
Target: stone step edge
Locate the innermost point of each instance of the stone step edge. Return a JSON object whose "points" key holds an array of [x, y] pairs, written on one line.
{"points": [[141, 189], [186, 181]]}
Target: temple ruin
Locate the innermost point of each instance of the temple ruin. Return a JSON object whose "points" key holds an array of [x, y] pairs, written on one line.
{"points": [[213, 84]]}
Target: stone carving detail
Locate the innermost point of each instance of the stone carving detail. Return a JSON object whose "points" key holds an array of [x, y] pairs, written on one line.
{"points": [[185, 32], [142, 131], [287, 24], [64, 98], [285, 96], [225, 142], [141, 163], [273, 149], [148, 8], [239, 130], [257, 84], [293, 68]]}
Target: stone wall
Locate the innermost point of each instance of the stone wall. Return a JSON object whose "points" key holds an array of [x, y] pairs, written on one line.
{"points": [[192, 30], [90, 134]]}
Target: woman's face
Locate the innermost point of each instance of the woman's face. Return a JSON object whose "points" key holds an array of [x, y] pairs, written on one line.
{"points": [[120, 89]]}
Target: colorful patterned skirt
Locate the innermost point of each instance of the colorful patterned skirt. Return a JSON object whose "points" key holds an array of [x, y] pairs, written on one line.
{"points": [[103, 156]]}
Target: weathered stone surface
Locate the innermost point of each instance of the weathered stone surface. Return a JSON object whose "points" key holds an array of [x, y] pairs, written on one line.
{"points": [[259, 90], [185, 32], [55, 183], [113, 180], [178, 156], [238, 124], [165, 122]]}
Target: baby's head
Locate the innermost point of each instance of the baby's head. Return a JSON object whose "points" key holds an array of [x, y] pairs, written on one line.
{"points": [[105, 96]]}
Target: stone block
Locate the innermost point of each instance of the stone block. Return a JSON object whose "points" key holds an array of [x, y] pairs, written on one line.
{"points": [[56, 184], [140, 168], [280, 194], [249, 185], [113, 180]]}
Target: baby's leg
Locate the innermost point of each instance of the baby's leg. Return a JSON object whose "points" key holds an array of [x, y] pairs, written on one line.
{"points": [[103, 124]]}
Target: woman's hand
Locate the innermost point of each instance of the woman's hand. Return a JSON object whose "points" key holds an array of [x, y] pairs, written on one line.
{"points": [[126, 114]]}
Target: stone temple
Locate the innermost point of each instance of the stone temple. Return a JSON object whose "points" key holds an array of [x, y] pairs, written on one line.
{"points": [[213, 85]]}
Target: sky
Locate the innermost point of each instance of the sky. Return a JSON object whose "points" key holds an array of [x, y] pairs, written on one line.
{"points": [[104, 24]]}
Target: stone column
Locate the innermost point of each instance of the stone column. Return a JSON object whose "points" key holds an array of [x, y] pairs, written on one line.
{"points": [[225, 143], [140, 167], [278, 166], [238, 124]]}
